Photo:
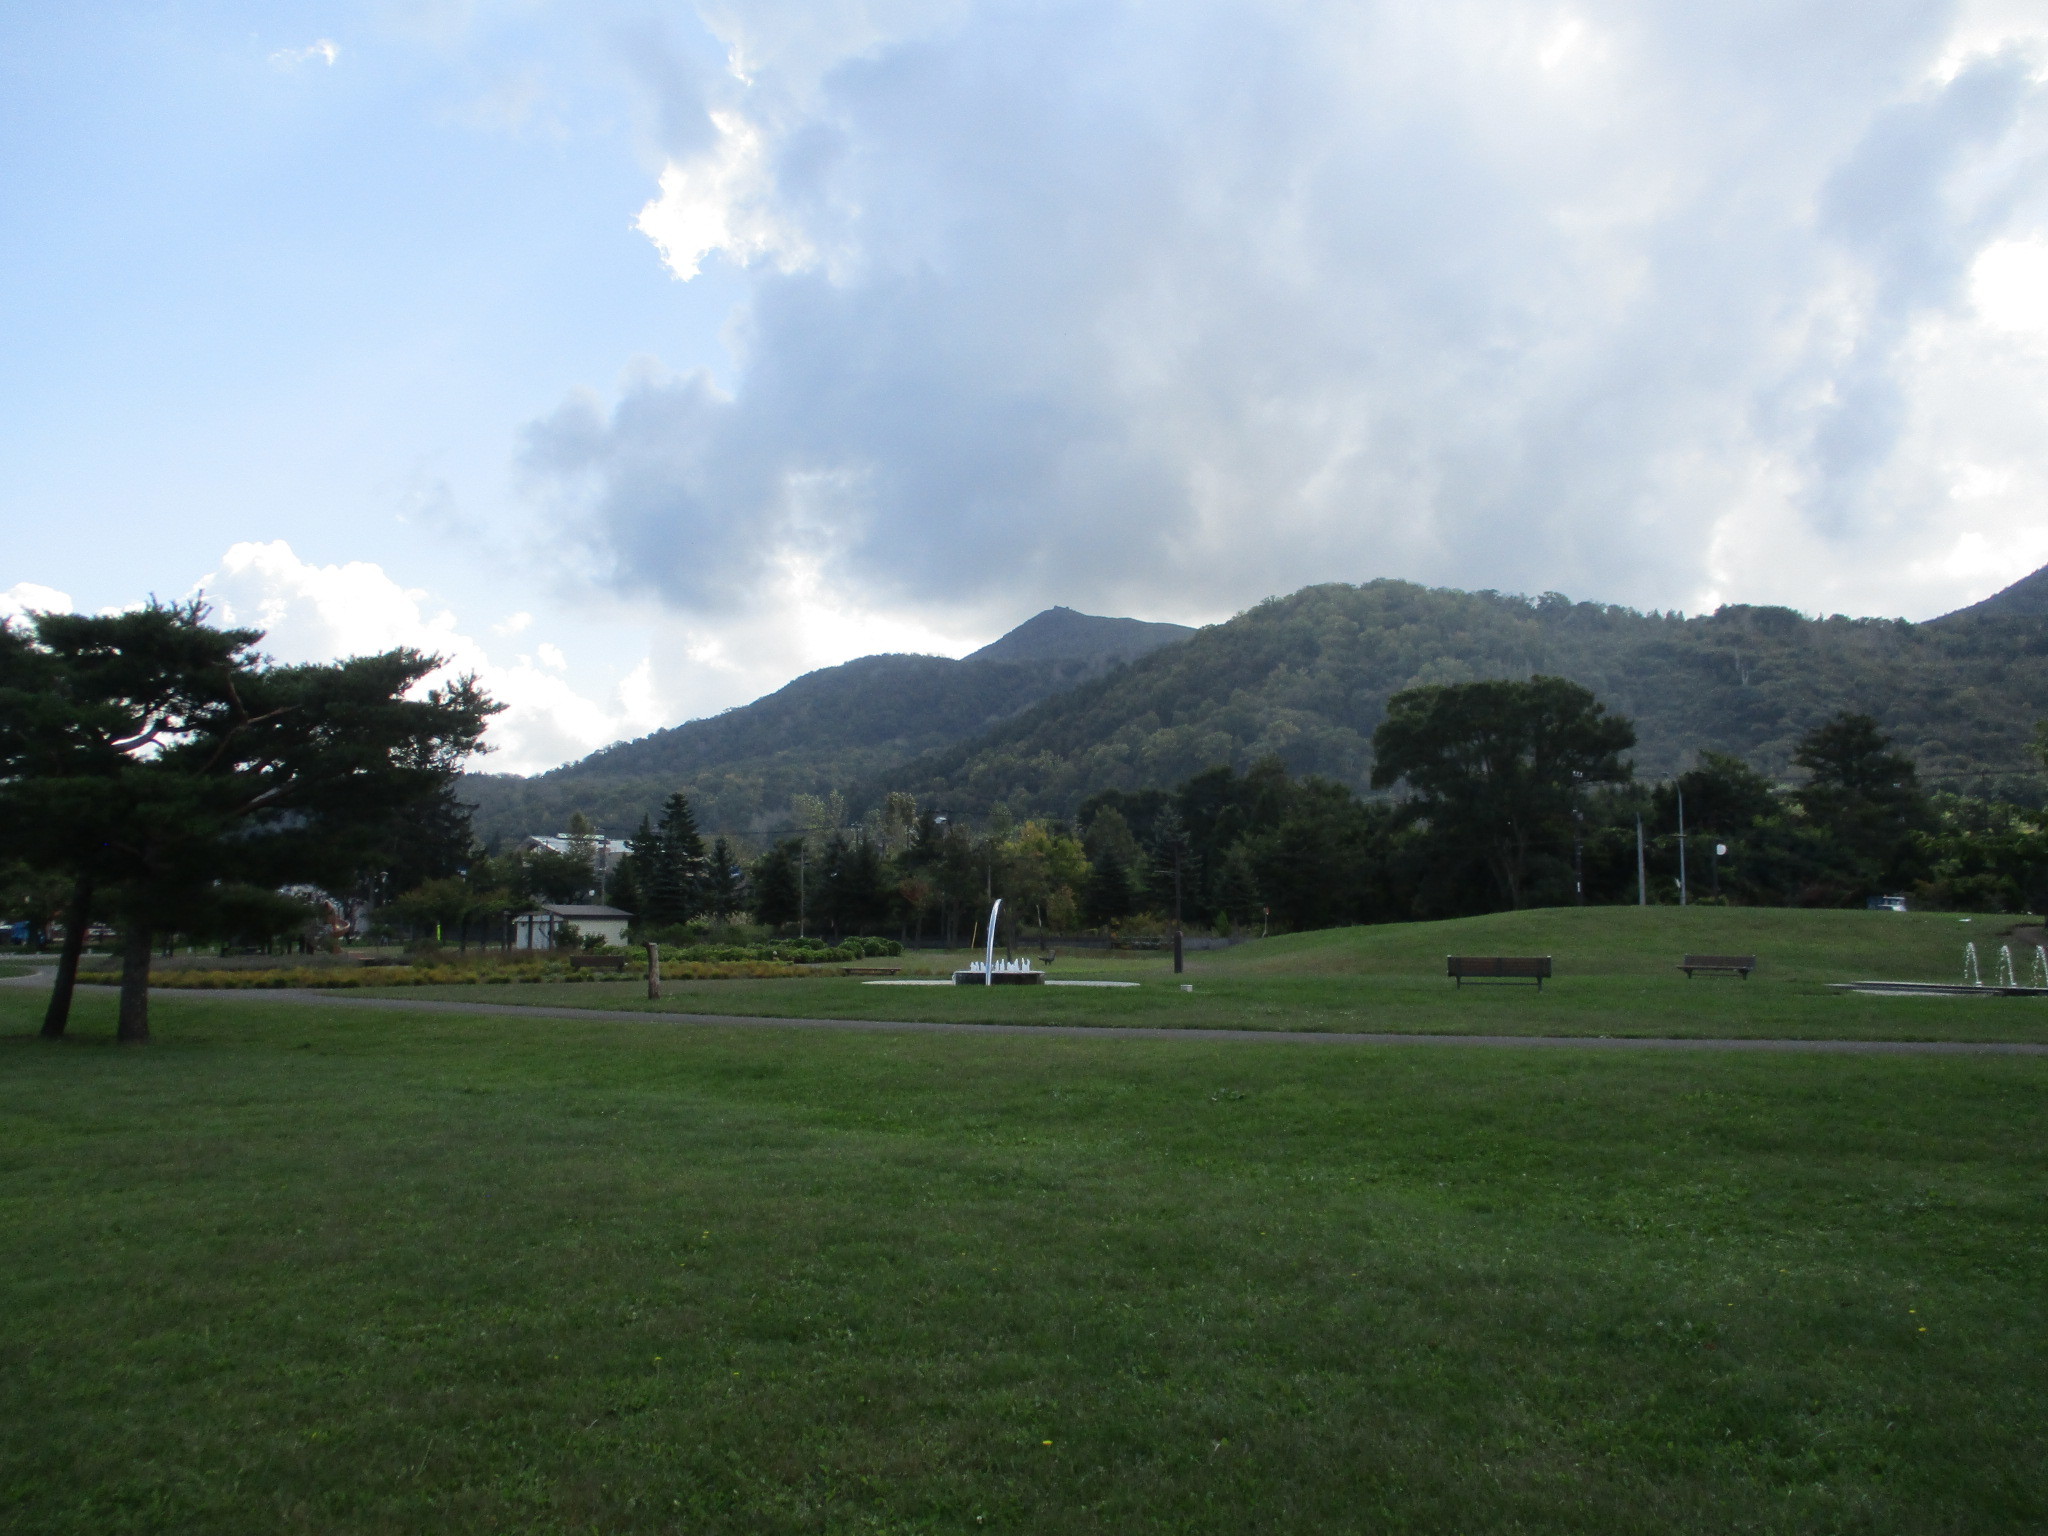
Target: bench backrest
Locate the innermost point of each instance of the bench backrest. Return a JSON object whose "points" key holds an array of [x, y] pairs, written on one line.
{"points": [[1519, 966], [1720, 962]]}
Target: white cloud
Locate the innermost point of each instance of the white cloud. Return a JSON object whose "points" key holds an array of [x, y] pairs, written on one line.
{"points": [[1163, 309], [721, 201], [321, 612], [32, 597], [322, 49], [2009, 286]]}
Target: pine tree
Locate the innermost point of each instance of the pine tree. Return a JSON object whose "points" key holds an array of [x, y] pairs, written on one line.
{"points": [[673, 887], [1108, 897], [724, 893], [775, 892], [1237, 887], [1174, 869], [639, 876]]}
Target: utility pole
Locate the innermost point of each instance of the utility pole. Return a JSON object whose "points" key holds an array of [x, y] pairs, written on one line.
{"points": [[800, 901], [1642, 877], [1681, 848], [1177, 965], [1579, 857]]}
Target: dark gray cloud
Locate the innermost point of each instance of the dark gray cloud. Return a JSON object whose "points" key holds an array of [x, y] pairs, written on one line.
{"points": [[1167, 308]]}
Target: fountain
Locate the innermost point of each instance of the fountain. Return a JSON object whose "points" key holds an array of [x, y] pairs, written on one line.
{"points": [[2004, 983], [991, 972]]}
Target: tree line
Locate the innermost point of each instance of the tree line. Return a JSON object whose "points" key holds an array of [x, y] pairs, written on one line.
{"points": [[1488, 795]]}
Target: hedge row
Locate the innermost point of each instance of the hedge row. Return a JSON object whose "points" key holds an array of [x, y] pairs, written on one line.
{"points": [[438, 976], [787, 951]]}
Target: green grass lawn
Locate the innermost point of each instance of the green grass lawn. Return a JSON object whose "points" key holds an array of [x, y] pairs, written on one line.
{"points": [[300, 1268], [1616, 975]]}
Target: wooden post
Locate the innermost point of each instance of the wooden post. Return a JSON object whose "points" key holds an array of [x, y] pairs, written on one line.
{"points": [[653, 971]]}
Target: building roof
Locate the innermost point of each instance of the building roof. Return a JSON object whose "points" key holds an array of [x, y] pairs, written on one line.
{"points": [[598, 914], [562, 842]]}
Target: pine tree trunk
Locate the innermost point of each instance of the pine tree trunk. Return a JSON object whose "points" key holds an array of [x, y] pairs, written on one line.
{"points": [[135, 957], [58, 1014]]}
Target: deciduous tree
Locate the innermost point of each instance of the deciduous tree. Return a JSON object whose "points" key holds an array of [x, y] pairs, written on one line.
{"points": [[1496, 768]]}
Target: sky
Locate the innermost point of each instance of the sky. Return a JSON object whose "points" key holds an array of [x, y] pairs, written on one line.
{"points": [[639, 357]]}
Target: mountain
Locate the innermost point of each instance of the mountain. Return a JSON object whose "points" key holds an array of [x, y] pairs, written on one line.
{"points": [[822, 732], [2026, 598], [1060, 634], [1307, 677]]}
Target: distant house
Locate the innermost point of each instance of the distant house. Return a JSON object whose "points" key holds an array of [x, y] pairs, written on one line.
{"points": [[537, 929], [604, 852]]}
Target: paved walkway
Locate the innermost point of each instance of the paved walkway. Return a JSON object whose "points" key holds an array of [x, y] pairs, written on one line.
{"points": [[1099, 1032]]}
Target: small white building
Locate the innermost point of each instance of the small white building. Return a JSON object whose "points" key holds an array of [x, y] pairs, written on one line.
{"points": [[537, 929]]}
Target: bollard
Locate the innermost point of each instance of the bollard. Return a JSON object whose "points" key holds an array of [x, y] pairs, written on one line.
{"points": [[654, 970]]}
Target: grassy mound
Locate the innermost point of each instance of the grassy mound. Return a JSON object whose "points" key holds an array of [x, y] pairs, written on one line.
{"points": [[1616, 974], [1792, 944]]}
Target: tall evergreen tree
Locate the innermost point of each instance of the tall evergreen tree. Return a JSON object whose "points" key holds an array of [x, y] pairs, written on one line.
{"points": [[1174, 871], [724, 886], [672, 877], [829, 892], [1864, 799], [777, 898], [1236, 886], [633, 880], [1107, 898], [863, 892]]}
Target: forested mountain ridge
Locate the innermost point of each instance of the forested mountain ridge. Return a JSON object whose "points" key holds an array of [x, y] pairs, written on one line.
{"points": [[1306, 678], [819, 733], [2025, 598], [1061, 634]]}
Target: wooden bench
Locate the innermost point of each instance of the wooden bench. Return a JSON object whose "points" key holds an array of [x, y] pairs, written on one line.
{"points": [[597, 962], [869, 970], [1464, 968], [1741, 965]]}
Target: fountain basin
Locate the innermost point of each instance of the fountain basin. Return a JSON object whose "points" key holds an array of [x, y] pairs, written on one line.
{"points": [[977, 977]]}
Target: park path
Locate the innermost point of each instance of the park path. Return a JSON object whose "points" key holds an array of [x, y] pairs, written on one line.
{"points": [[1098, 1032]]}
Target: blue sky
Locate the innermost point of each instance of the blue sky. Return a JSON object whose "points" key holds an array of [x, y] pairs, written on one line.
{"points": [[642, 356]]}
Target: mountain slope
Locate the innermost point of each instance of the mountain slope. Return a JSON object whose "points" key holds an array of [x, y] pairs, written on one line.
{"points": [[820, 733], [1061, 634], [2024, 599], [1307, 677]]}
